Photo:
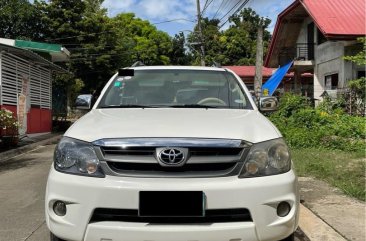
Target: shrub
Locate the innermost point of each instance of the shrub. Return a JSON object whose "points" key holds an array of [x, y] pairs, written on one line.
{"points": [[8, 128], [290, 104], [7, 120], [304, 126]]}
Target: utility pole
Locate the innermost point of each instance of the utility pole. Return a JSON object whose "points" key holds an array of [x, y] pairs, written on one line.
{"points": [[259, 64], [200, 33]]}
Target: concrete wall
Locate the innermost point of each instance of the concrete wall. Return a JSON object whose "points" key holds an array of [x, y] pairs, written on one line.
{"points": [[351, 69], [303, 36], [328, 61]]}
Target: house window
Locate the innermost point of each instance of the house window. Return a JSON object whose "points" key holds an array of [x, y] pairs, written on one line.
{"points": [[321, 37], [331, 82], [361, 74]]}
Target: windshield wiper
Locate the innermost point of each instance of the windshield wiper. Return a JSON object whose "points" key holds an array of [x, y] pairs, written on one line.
{"points": [[128, 106], [192, 106]]}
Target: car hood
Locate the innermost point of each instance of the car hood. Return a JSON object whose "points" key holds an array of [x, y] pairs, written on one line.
{"points": [[248, 125]]}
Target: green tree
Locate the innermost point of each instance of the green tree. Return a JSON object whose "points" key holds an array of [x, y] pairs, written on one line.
{"points": [[179, 54], [19, 20], [239, 40], [357, 88], [211, 40], [235, 45], [94, 58], [99, 45], [143, 41], [62, 20]]}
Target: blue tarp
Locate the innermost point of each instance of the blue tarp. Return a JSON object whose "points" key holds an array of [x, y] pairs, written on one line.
{"points": [[272, 83]]}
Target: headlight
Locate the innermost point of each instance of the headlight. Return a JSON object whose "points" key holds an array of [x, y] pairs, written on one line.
{"points": [[76, 157], [267, 158]]}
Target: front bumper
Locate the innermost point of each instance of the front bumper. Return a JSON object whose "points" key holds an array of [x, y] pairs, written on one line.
{"points": [[84, 194]]}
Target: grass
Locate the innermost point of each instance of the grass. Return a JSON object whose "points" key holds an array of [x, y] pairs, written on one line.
{"points": [[344, 170]]}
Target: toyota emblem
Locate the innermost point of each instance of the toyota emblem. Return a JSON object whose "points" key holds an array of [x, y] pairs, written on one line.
{"points": [[171, 156]]}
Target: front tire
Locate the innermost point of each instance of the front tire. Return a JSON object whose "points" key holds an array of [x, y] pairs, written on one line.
{"points": [[54, 238]]}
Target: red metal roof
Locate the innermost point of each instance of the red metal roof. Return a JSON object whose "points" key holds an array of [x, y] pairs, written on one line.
{"points": [[249, 71], [335, 18], [338, 17]]}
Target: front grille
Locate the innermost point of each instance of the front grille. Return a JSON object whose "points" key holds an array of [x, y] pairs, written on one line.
{"points": [[149, 151], [138, 157], [211, 216], [156, 167]]}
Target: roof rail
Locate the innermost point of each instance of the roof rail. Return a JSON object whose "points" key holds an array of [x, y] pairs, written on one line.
{"points": [[216, 64], [137, 64]]}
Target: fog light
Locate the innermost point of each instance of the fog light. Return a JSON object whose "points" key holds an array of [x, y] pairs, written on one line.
{"points": [[283, 209], [59, 208]]}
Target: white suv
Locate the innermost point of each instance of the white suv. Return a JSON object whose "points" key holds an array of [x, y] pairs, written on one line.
{"points": [[172, 154]]}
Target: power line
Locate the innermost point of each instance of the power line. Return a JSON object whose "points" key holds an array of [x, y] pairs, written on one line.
{"points": [[235, 12], [103, 32], [93, 57], [81, 35], [207, 4], [204, 6], [227, 5], [218, 9], [174, 20], [241, 6], [230, 10]]}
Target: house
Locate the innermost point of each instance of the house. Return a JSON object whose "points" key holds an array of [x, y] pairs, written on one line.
{"points": [[317, 34], [26, 70], [247, 74]]}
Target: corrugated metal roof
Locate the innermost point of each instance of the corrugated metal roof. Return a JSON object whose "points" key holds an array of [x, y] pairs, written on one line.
{"points": [[338, 17], [38, 46], [248, 71], [29, 55]]}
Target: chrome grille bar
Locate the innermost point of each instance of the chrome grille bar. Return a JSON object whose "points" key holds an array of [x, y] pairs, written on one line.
{"points": [[171, 142]]}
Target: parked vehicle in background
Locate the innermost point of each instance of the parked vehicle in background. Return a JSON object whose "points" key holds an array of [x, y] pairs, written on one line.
{"points": [[173, 153]]}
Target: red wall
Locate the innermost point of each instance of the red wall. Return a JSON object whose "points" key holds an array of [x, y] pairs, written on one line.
{"points": [[38, 120]]}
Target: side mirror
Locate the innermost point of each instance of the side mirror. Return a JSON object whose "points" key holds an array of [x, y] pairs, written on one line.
{"points": [[83, 102], [267, 104]]}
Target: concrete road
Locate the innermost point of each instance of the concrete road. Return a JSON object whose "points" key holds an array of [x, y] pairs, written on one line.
{"points": [[22, 188]]}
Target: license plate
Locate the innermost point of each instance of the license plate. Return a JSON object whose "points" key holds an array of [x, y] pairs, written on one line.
{"points": [[171, 204]]}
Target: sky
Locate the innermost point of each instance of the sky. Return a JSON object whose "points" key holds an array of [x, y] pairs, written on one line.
{"points": [[160, 11]]}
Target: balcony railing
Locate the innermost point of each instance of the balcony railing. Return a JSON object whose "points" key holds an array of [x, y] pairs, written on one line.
{"points": [[301, 51]]}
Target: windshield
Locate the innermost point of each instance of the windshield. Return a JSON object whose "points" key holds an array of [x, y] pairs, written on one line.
{"points": [[176, 88]]}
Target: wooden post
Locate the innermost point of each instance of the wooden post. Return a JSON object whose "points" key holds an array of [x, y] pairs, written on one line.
{"points": [[297, 79], [200, 33], [259, 64]]}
